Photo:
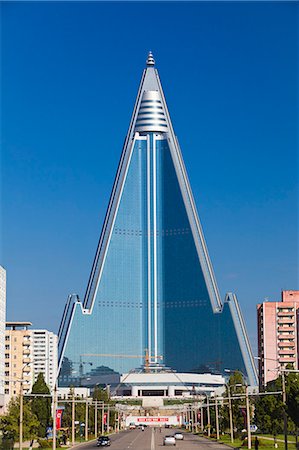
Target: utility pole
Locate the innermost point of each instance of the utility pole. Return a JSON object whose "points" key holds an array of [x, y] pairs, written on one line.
{"points": [[247, 406], [108, 418], [54, 416], [284, 399], [217, 419], [21, 415], [73, 419], [248, 419], [230, 415], [201, 418], [196, 416], [103, 413], [208, 413], [86, 420], [96, 419]]}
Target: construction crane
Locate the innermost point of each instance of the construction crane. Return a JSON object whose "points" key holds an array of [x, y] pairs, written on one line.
{"points": [[81, 363], [109, 355]]}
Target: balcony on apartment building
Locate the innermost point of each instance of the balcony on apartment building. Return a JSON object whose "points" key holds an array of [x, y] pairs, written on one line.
{"points": [[284, 328], [287, 359], [286, 320], [287, 352], [286, 344], [284, 313], [27, 360]]}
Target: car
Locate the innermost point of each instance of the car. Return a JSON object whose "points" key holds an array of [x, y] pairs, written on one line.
{"points": [[178, 436], [103, 441], [169, 440], [132, 426]]}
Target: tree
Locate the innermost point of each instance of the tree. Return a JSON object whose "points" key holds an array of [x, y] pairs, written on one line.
{"points": [[237, 387], [79, 411], [9, 423], [292, 390], [100, 394], [269, 408], [41, 406]]}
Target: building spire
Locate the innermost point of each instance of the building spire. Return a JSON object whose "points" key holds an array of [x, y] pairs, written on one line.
{"points": [[150, 60]]}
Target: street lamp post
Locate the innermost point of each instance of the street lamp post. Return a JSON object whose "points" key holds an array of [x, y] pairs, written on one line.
{"points": [[247, 405], [217, 419], [73, 418], [103, 414], [285, 421], [96, 419], [208, 417], [86, 420], [284, 398], [248, 418], [21, 407], [54, 416], [108, 417], [230, 414], [21, 416]]}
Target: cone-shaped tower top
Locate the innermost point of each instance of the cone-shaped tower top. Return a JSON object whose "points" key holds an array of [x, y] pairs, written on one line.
{"points": [[150, 60]]}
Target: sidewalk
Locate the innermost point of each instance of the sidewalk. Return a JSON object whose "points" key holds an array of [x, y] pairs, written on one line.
{"points": [[272, 439], [26, 444]]}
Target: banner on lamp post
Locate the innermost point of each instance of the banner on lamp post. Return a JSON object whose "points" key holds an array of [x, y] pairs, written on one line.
{"points": [[244, 414], [59, 412]]}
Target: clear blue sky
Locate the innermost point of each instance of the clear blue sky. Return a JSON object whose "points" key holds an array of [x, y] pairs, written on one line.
{"points": [[70, 73]]}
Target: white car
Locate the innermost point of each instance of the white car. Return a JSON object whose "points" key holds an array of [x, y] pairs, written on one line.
{"points": [[169, 440], [179, 436]]}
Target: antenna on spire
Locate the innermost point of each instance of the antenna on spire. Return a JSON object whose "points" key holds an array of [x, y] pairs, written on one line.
{"points": [[150, 60]]}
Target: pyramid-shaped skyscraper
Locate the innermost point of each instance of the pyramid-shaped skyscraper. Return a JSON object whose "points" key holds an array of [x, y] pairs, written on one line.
{"points": [[152, 284]]}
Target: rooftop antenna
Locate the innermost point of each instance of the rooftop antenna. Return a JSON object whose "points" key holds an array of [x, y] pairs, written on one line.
{"points": [[150, 60]]}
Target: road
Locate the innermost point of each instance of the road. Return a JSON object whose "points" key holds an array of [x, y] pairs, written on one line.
{"points": [[151, 439]]}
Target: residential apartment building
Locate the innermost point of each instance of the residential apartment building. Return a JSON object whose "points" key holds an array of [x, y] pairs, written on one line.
{"points": [[28, 353], [45, 355], [2, 332], [18, 359], [278, 338]]}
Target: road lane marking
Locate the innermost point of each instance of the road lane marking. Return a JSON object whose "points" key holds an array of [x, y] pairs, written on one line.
{"points": [[133, 440], [153, 440]]}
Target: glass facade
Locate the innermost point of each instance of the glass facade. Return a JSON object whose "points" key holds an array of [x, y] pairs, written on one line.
{"points": [[151, 282]]}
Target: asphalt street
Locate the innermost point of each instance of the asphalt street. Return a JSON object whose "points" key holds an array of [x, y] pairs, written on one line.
{"points": [[152, 439]]}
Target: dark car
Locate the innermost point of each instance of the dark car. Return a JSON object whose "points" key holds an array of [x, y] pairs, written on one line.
{"points": [[103, 441]]}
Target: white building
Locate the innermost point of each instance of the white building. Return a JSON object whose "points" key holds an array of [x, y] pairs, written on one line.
{"points": [[45, 355], [170, 384], [2, 332]]}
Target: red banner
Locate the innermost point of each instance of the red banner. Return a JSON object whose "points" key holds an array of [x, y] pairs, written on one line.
{"points": [[153, 419], [244, 414], [105, 418], [59, 412]]}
